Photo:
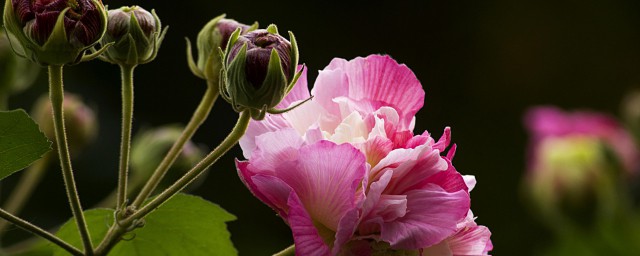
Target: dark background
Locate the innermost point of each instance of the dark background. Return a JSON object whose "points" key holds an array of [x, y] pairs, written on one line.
{"points": [[481, 63]]}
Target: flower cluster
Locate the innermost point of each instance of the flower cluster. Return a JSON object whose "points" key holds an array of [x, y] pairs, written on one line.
{"points": [[347, 174]]}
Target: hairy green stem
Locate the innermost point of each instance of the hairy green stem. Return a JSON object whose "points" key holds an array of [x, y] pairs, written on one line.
{"points": [[199, 116], [30, 178], [56, 95], [25, 225], [125, 139], [291, 250], [117, 230]]}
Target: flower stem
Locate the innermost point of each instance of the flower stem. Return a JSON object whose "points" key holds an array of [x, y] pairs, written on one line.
{"points": [[199, 116], [116, 231], [39, 232], [126, 72], [28, 181], [291, 250], [56, 95]]}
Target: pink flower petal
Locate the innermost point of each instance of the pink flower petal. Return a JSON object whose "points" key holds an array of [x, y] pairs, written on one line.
{"points": [[431, 217], [375, 81], [326, 178], [471, 241], [274, 148], [306, 237], [256, 128]]}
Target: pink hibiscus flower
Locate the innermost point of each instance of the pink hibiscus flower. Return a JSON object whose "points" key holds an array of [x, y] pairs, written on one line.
{"points": [[570, 152], [345, 169]]}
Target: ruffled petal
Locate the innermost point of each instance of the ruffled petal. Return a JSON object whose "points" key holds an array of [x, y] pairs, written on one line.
{"points": [[471, 241], [431, 217], [330, 84], [376, 81], [412, 167]]}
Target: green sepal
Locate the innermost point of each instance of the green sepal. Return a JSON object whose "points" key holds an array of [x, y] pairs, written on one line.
{"points": [[232, 41], [192, 64], [237, 85], [294, 55], [57, 50], [274, 85], [209, 62], [97, 53], [273, 29], [294, 80]]}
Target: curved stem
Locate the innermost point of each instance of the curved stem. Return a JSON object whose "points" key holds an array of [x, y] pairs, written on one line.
{"points": [[30, 178], [56, 95], [199, 116], [25, 225], [117, 230], [291, 250], [125, 139]]}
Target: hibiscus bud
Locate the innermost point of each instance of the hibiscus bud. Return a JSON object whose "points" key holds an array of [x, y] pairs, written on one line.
{"points": [[55, 32], [80, 121], [16, 74], [260, 69], [213, 37], [149, 148], [136, 34]]}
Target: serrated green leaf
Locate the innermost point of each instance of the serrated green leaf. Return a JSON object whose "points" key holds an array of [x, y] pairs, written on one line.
{"points": [[21, 142], [185, 225]]}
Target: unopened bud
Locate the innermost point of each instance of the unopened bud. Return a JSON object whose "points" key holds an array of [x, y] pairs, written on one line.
{"points": [[80, 121], [16, 74], [149, 148], [55, 32], [136, 34], [211, 38], [260, 69]]}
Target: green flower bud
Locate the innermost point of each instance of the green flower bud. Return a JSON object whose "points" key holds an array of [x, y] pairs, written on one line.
{"points": [[55, 32], [259, 70], [149, 148], [213, 37], [80, 121], [16, 74], [136, 34]]}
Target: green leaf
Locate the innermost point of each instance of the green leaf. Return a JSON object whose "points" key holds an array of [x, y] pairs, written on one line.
{"points": [[21, 142], [184, 225]]}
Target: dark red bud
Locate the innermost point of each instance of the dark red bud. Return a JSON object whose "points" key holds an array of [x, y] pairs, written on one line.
{"points": [[259, 45], [82, 22]]}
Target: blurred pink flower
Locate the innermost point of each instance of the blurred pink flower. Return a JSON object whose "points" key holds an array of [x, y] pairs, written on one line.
{"points": [[549, 122], [569, 152], [345, 169]]}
